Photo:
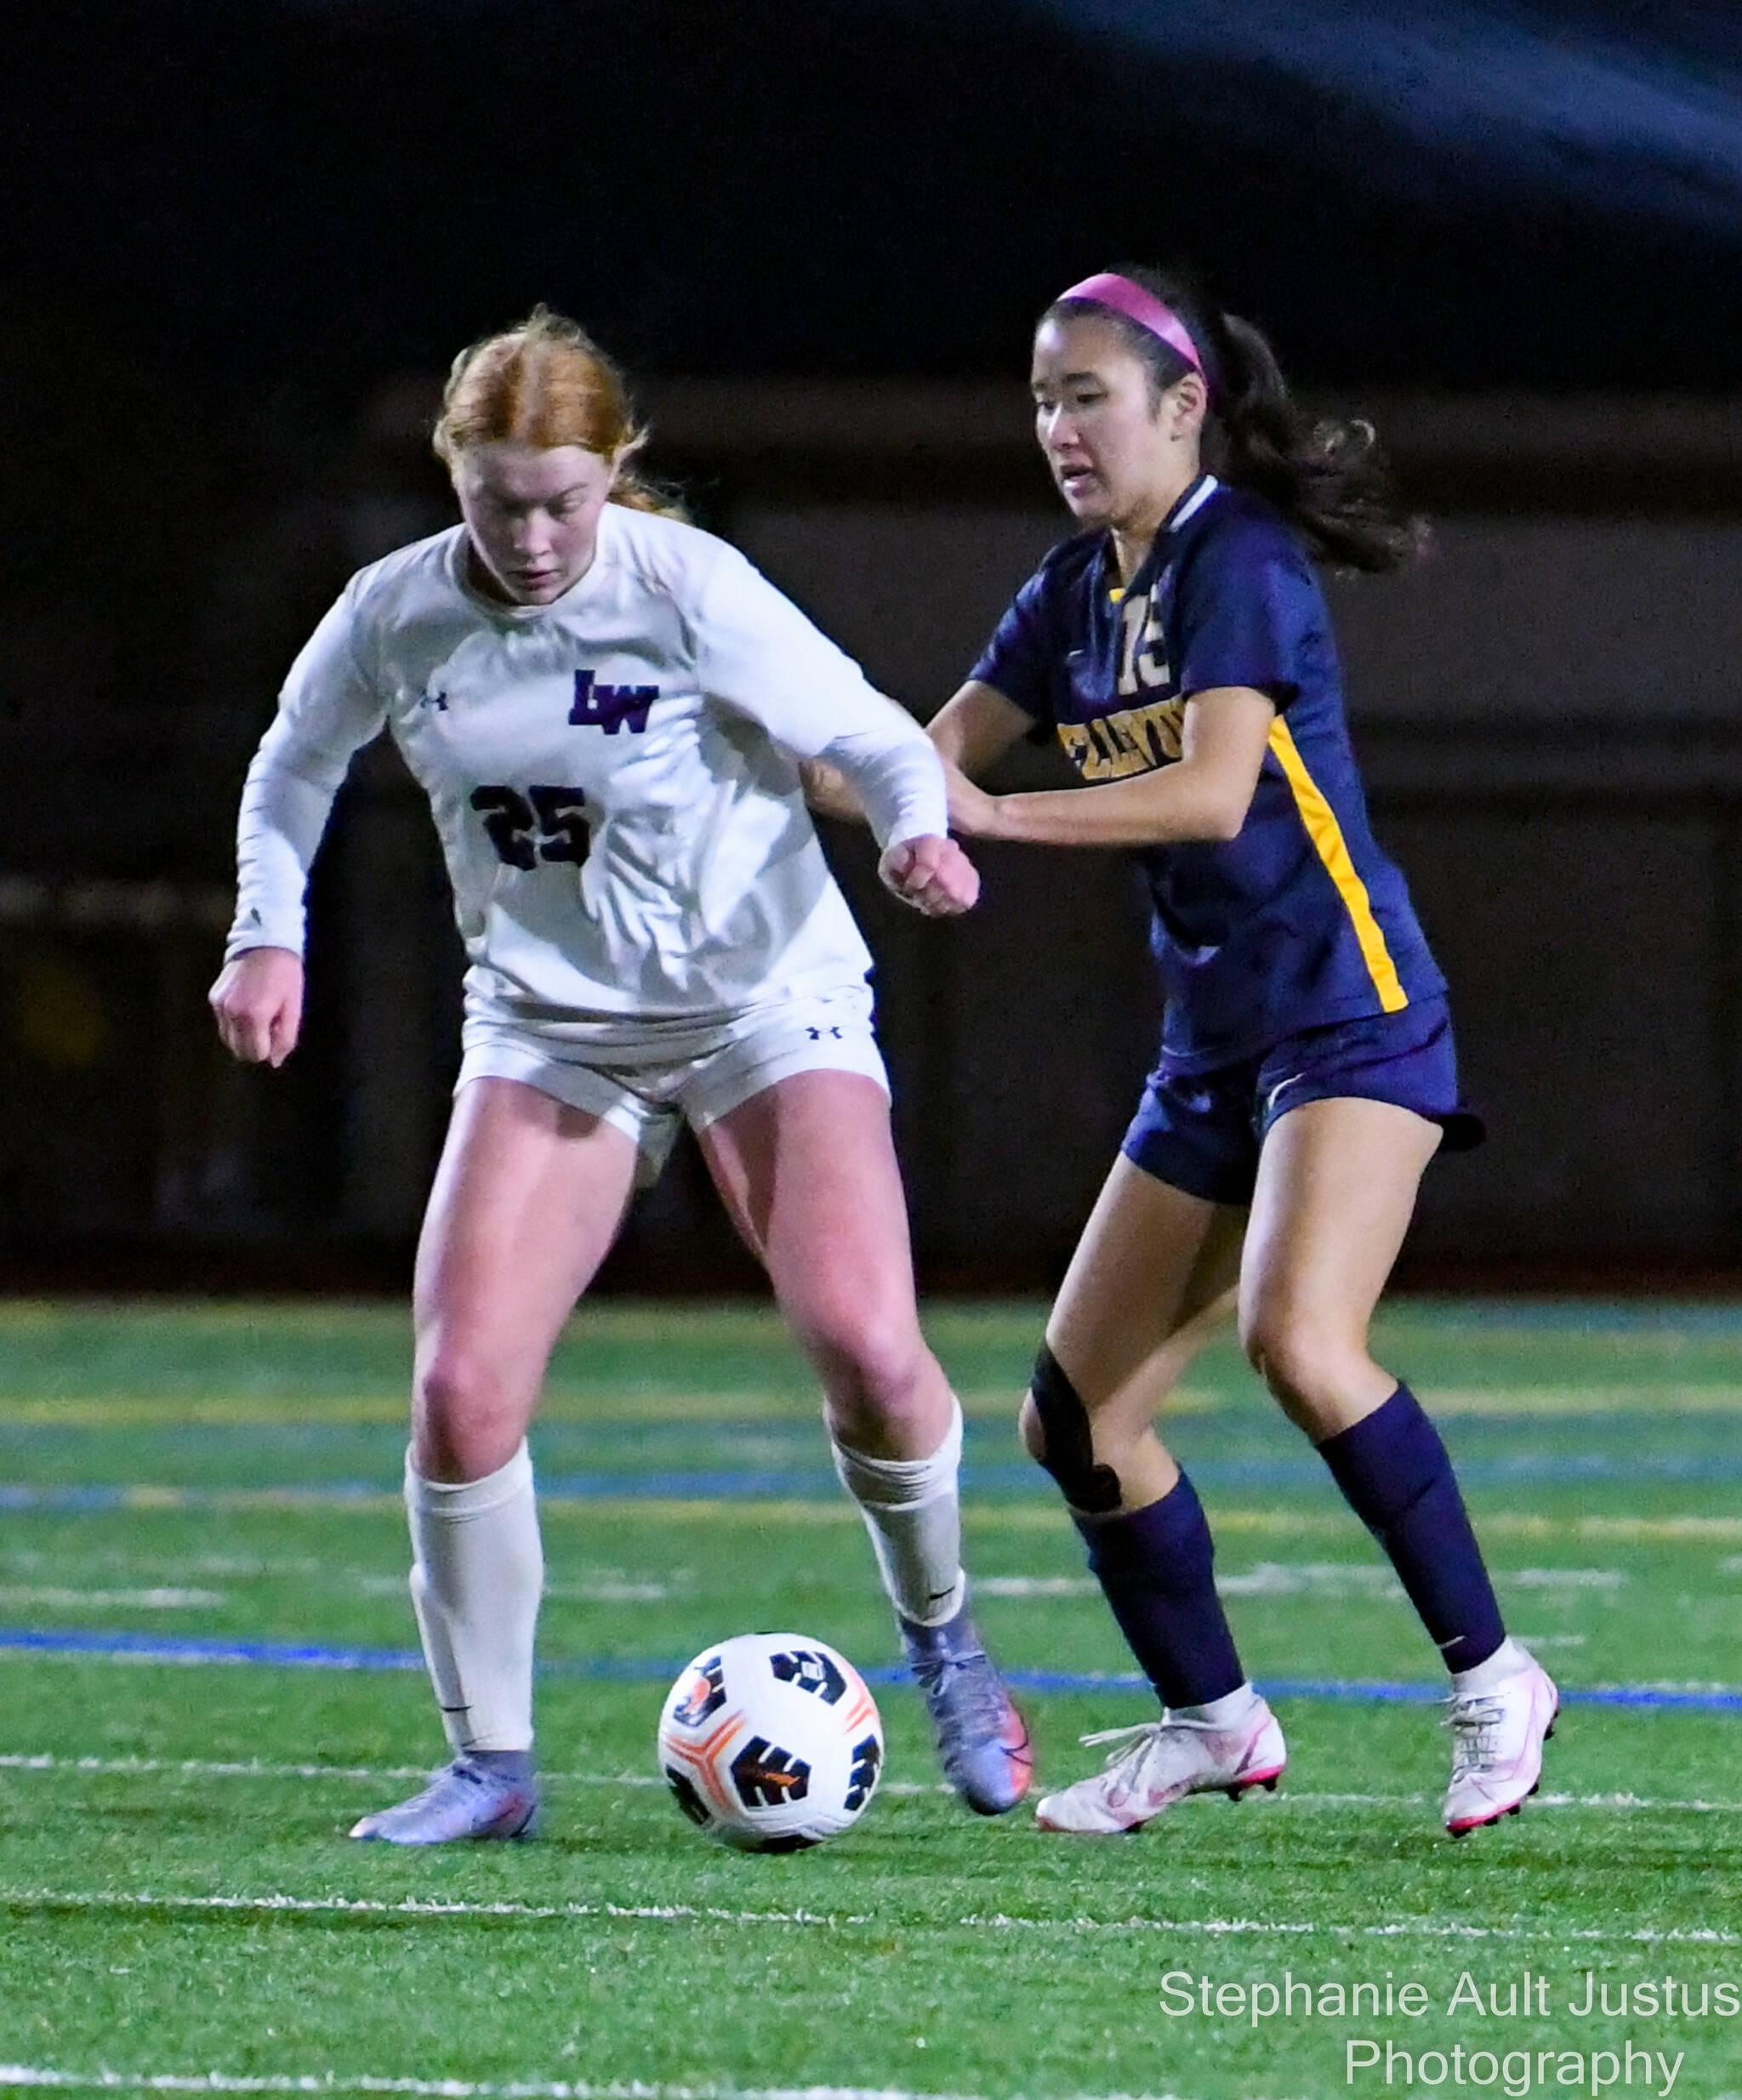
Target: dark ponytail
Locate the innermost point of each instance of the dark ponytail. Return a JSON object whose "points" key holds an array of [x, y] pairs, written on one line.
{"points": [[1328, 478]]}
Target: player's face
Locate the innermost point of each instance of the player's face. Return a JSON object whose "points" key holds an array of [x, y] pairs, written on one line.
{"points": [[533, 513], [1119, 457]]}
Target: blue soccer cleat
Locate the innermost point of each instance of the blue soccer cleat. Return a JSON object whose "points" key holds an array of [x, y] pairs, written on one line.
{"points": [[466, 1800], [982, 1741]]}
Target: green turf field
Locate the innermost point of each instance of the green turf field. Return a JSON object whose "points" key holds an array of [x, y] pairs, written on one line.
{"points": [[179, 1910]]}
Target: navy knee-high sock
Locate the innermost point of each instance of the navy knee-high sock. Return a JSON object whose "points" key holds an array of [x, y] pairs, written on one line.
{"points": [[1395, 1475], [1155, 1568]]}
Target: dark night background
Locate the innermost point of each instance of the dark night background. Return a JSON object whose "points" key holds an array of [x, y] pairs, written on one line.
{"points": [[312, 196], [240, 243]]}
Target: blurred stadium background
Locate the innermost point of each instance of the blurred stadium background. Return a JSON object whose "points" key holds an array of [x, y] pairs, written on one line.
{"points": [[239, 245], [244, 243]]}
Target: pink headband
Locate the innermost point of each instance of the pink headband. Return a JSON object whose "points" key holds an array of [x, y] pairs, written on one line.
{"points": [[1144, 307]]}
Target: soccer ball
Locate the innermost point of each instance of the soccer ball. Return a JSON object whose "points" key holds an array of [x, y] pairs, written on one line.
{"points": [[769, 1742]]}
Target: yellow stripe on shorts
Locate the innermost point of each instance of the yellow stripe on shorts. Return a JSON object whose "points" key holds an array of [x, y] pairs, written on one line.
{"points": [[1332, 848]]}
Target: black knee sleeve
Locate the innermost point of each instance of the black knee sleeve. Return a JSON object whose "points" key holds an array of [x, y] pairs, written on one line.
{"points": [[1068, 1448]]}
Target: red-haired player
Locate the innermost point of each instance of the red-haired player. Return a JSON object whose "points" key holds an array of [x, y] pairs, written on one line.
{"points": [[606, 707]]}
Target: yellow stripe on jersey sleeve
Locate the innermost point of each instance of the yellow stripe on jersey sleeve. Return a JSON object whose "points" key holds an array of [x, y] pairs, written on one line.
{"points": [[1332, 848]]}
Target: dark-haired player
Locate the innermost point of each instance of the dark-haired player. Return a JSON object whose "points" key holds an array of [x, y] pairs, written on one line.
{"points": [[1180, 648]]}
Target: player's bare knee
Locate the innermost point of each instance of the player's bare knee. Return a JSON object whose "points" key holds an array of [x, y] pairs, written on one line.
{"points": [[454, 1384], [461, 1417], [1307, 1365], [869, 1362]]}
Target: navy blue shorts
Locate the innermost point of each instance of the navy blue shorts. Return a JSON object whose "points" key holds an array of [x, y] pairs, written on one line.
{"points": [[1201, 1131]]}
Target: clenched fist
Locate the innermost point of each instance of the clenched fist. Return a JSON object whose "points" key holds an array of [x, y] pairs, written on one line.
{"points": [[934, 875], [258, 1000]]}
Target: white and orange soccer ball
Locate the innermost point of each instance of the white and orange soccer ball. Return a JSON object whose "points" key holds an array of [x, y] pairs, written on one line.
{"points": [[771, 1742]]}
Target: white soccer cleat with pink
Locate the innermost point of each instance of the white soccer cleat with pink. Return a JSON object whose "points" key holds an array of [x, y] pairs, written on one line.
{"points": [[1162, 1761], [1497, 1740]]}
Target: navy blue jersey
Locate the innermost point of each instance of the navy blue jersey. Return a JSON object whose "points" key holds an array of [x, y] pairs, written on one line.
{"points": [[1299, 922]]}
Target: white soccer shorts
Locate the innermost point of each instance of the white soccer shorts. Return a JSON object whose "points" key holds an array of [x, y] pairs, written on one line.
{"points": [[698, 1076]]}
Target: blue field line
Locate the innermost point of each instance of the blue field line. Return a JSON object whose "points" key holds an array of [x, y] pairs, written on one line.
{"points": [[151, 1648], [662, 1670]]}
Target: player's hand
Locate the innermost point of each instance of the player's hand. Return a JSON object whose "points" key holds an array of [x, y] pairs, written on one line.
{"points": [[258, 1000], [934, 875], [973, 811]]}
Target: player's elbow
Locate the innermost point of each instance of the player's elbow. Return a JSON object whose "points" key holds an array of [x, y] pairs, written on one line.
{"points": [[1215, 811], [1222, 814], [828, 792]]}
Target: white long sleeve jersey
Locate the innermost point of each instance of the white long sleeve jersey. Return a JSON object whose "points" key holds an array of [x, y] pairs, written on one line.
{"points": [[614, 779]]}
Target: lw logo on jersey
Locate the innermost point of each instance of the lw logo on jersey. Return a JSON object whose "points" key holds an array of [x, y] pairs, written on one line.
{"points": [[609, 707], [766, 1776], [810, 1672]]}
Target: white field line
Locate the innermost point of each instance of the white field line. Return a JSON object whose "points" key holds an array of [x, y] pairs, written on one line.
{"points": [[1267, 1579], [1409, 1928], [29, 2075], [254, 1768], [584, 1586], [1313, 1578], [611, 1591], [276, 1905], [612, 1587], [182, 1566], [1373, 1579], [202, 1768], [279, 1905], [115, 1600]]}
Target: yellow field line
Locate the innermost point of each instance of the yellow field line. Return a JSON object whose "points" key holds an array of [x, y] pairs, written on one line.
{"points": [[1038, 1516], [721, 1405], [1641, 1395]]}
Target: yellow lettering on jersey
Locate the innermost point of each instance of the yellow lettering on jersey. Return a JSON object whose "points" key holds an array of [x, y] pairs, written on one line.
{"points": [[1141, 664], [1163, 721], [1078, 748], [1333, 849], [1114, 747]]}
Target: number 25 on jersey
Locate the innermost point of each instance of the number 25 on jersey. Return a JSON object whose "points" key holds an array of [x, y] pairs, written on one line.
{"points": [[542, 824]]}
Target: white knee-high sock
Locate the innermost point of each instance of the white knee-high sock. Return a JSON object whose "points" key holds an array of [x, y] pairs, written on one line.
{"points": [[913, 1511], [477, 1573]]}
